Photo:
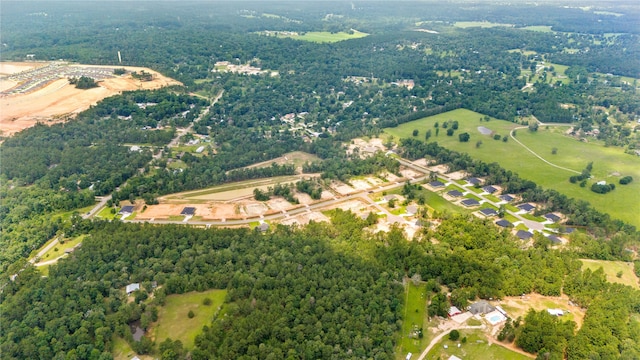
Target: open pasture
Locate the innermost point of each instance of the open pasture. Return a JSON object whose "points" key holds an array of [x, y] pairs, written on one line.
{"points": [[414, 318], [612, 269], [327, 37], [477, 347], [481, 24], [609, 163], [174, 323]]}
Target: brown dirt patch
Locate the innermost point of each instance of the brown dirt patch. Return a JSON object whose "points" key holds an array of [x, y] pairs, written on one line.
{"points": [[279, 204], [457, 175], [519, 305], [10, 68], [409, 174], [342, 189], [421, 162], [440, 169], [59, 100]]}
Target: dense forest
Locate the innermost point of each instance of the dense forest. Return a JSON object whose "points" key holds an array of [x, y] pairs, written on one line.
{"points": [[325, 290]]}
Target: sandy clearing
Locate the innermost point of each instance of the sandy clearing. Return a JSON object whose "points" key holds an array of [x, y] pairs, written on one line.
{"points": [[440, 169], [421, 162], [9, 68], [304, 219], [254, 209], [6, 84], [222, 211], [361, 184], [518, 306], [303, 198], [374, 181], [341, 188], [279, 204], [59, 100], [389, 176], [457, 175], [409, 174]]}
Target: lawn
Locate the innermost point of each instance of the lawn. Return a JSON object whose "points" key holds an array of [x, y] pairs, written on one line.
{"points": [[571, 154], [232, 190], [173, 321], [437, 203], [482, 24], [327, 37], [59, 249], [106, 213], [611, 269], [413, 317], [477, 347], [539, 28]]}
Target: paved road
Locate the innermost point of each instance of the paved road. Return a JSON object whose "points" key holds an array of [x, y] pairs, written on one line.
{"points": [[44, 250]]}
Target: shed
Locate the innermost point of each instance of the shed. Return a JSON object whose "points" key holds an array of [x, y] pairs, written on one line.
{"points": [[128, 209], [132, 287], [454, 193], [453, 311], [390, 197], [524, 235], [488, 212], [200, 149], [481, 307], [555, 312], [453, 357], [470, 202], [188, 211]]}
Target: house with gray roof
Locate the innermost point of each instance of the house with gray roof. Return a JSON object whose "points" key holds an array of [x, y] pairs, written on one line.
{"points": [[481, 307]]}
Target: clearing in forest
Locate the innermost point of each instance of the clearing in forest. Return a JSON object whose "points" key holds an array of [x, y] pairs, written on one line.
{"points": [[609, 163], [517, 306], [174, 322], [325, 36], [40, 92], [612, 269], [477, 347], [413, 320]]}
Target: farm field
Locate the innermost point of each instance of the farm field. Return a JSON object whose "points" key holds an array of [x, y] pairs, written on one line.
{"points": [[477, 347], [59, 100], [539, 28], [173, 321], [413, 317], [575, 155], [612, 269], [327, 37], [297, 158]]}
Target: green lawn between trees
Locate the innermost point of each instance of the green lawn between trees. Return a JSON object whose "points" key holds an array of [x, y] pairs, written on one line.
{"points": [[327, 37], [174, 322], [571, 154], [612, 269], [476, 347], [413, 316]]}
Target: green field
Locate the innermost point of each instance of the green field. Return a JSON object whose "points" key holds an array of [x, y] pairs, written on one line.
{"points": [[482, 24], [622, 203], [59, 249], [612, 268], [477, 347], [174, 323], [327, 37], [539, 28], [413, 317]]}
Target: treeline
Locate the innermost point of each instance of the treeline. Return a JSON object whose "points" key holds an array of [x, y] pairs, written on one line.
{"points": [[345, 168]]}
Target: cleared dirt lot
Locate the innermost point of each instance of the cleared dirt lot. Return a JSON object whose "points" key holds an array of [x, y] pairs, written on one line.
{"points": [[58, 100]]}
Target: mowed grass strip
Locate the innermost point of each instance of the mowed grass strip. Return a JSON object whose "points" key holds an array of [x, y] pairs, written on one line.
{"points": [[612, 269], [413, 317], [622, 203], [476, 347], [174, 322]]}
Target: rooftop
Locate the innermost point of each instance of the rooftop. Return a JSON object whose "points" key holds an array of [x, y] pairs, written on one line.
{"points": [[474, 181], [436, 184], [490, 189], [526, 207], [488, 212], [504, 223], [470, 202], [506, 197], [188, 211], [128, 209], [552, 217], [454, 193], [524, 235]]}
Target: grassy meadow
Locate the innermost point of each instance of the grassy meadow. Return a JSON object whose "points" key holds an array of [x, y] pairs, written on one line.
{"points": [[622, 203], [327, 37], [414, 316], [477, 347], [174, 323], [482, 24], [612, 269]]}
